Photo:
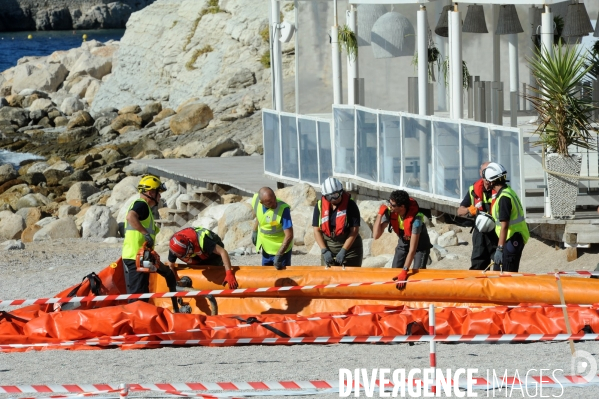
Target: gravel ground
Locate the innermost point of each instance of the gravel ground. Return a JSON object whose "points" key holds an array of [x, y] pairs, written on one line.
{"points": [[43, 269]]}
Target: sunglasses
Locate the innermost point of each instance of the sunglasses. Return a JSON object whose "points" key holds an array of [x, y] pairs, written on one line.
{"points": [[333, 196], [392, 205]]}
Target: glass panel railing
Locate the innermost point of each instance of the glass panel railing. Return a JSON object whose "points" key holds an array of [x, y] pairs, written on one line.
{"points": [[272, 148], [289, 146], [308, 150], [417, 148], [344, 141], [447, 159], [506, 151], [390, 149], [475, 151], [325, 158], [366, 145]]}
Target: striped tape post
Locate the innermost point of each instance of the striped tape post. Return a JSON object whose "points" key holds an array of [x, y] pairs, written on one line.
{"points": [[433, 346], [122, 297]]}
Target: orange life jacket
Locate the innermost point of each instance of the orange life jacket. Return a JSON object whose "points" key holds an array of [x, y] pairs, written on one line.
{"points": [[340, 219], [478, 199], [411, 212]]}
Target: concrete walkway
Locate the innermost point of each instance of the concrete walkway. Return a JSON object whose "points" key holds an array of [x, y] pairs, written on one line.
{"points": [[244, 174]]}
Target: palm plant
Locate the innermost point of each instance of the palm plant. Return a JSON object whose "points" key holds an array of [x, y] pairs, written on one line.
{"points": [[564, 114], [348, 41]]}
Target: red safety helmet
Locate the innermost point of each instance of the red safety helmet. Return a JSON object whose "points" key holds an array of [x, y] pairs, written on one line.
{"points": [[181, 244]]}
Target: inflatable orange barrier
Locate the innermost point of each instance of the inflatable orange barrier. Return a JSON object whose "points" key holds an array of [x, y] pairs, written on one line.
{"points": [[388, 310]]}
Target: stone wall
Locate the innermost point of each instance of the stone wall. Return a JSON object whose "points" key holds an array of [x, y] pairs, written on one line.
{"points": [[18, 15]]}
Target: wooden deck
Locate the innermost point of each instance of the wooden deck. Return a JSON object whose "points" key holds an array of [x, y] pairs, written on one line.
{"points": [[245, 175]]}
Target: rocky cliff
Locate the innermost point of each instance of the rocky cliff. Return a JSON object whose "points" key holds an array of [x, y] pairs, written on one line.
{"points": [[174, 50], [17, 15]]}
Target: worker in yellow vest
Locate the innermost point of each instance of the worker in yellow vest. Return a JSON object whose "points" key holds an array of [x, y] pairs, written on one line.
{"points": [[510, 222], [273, 231]]}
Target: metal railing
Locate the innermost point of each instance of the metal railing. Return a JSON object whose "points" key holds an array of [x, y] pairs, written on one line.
{"points": [[435, 157]]}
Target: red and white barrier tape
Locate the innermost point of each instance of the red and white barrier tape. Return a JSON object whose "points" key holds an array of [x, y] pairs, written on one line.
{"points": [[101, 298], [94, 389], [498, 338]]}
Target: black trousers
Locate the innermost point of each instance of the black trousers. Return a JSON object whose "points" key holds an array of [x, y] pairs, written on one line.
{"points": [[483, 249], [139, 282], [353, 257], [512, 253], [401, 254]]}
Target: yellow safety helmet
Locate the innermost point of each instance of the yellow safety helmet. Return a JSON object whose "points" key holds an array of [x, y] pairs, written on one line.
{"points": [[150, 182]]}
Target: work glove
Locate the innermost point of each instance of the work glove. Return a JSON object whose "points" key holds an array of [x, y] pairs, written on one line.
{"points": [[498, 257], [230, 279], [383, 208], [328, 256], [472, 210], [149, 240], [340, 256], [278, 262], [254, 237], [401, 278]]}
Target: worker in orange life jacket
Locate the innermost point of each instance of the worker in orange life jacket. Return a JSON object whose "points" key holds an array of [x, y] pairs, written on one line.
{"points": [[336, 223], [402, 215]]}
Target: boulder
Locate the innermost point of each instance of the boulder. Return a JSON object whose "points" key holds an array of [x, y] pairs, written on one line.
{"points": [[12, 245], [83, 160], [78, 193], [92, 90], [203, 221], [385, 244], [60, 165], [54, 176], [300, 194], [61, 121], [80, 119], [99, 222], [448, 239], [34, 167], [42, 104], [369, 210], [191, 118], [55, 18], [30, 215], [15, 116], [165, 113], [376, 261], [7, 173], [11, 225], [76, 135], [125, 120], [122, 191], [68, 210], [239, 235], [56, 229], [32, 200], [153, 108], [130, 109], [34, 179], [29, 232], [70, 105], [240, 79], [46, 79], [105, 16], [236, 213], [87, 64], [80, 87]]}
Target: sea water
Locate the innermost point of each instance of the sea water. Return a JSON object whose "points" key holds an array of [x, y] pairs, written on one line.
{"points": [[15, 45], [15, 158]]}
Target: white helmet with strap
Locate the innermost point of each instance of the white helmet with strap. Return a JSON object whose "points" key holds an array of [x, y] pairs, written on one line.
{"points": [[484, 222], [494, 171], [331, 185]]}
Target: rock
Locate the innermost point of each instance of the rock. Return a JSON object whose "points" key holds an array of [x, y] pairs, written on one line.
{"points": [[128, 129], [34, 167], [11, 225], [386, 244], [433, 235], [55, 18], [41, 104], [29, 232], [12, 245], [448, 239], [30, 215], [60, 165], [99, 222], [70, 105], [92, 90], [102, 122], [78, 193], [80, 119], [367, 245], [111, 240], [105, 16], [299, 194], [126, 120], [68, 210], [191, 118], [374, 262], [90, 65], [365, 230], [34, 179], [153, 108], [239, 234], [46, 79], [16, 116], [369, 211], [61, 121], [203, 221], [14, 100], [230, 198], [122, 191], [236, 213], [442, 251], [76, 135], [165, 113], [136, 169], [53, 176], [241, 79], [58, 228], [7, 173], [32, 200], [130, 109], [79, 88], [82, 161], [37, 115]]}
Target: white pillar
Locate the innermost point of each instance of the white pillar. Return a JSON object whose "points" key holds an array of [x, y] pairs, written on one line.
{"points": [[441, 44], [449, 75], [496, 44], [455, 67], [547, 30], [336, 57], [514, 71], [277, 66], [352, 65], [422, 36]]}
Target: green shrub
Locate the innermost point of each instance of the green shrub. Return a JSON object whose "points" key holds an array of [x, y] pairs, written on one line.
{"points": [[197, 53], [192, 33], [265, 34], [265, 59]]}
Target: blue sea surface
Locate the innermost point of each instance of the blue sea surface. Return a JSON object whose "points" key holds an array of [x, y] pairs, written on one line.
{"points": [[15, 45]]}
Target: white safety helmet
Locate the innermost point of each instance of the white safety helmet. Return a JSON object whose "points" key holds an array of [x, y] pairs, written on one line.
{"points": [[494, 171], [484, 222], [330, 186]]}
